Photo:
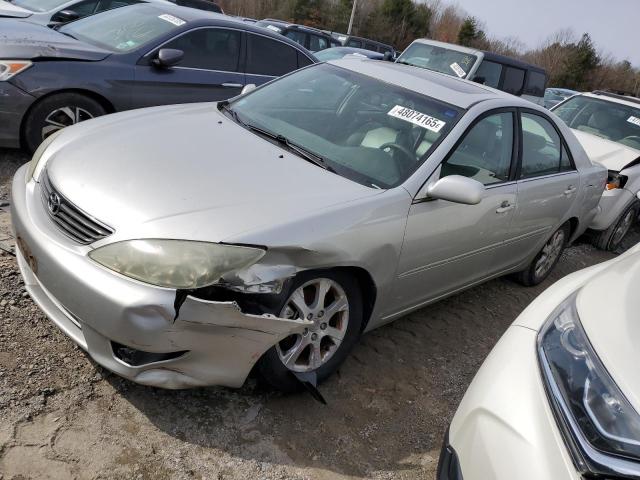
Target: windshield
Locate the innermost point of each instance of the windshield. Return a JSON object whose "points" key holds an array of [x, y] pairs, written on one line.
{"points": [[439, 59], [610, 120], [372, 132], [39, 5], [123, 29]]}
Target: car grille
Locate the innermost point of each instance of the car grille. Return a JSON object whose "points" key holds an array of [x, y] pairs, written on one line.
{"points": [[71, 221]]}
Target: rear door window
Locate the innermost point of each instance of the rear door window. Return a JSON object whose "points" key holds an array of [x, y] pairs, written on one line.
{"points": [[209, 49], [513, 80], [317, 43], [542, 150], [299, 37], [269, 57], [491, 72]]}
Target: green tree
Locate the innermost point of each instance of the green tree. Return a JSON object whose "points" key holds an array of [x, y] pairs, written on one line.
{"points": [[581, 62], [470, 33]]}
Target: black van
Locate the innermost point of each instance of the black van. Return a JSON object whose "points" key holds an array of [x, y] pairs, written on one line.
{"points": [[310, 38], [365, 43]]}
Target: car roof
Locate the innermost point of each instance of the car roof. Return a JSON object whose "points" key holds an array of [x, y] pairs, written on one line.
{"points": [[196, 18], [449, 89], [285, 24], [361, 51], [451, 46], [614, 98]]}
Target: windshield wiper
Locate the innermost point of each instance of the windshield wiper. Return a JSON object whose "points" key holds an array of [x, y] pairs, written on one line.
{"points": [[301, 151], [57, 28]]}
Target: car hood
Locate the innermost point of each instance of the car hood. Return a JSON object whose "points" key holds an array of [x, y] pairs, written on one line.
{"points": [[608, 306], [611, 155], [13, 11], [187, 171], [24, 40]]}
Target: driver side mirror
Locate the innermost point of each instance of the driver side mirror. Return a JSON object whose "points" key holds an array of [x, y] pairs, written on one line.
{"points": [[387, 57], [247, 88], [167, 58], [479, 80], [64, 16], [457, 189]]}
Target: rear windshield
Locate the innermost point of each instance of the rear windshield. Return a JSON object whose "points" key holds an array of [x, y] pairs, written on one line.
{"points": [[611, 120], [124, 29], [439, 59]]}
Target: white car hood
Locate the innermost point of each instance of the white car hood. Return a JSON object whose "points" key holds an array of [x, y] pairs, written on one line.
{"points": [[611, 155], [9, 10], [609, 309]]}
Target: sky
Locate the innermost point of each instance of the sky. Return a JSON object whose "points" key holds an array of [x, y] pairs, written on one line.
{"points": [[613, 24]]}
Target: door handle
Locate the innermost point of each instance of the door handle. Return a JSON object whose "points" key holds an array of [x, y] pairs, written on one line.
{"points": [[232, 85], [570, 189], [505, 207]]}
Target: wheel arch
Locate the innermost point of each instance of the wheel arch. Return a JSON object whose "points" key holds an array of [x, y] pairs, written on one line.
{"points": [[106, 104]]}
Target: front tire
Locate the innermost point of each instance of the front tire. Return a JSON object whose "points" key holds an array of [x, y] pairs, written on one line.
{"points": [[333, 302], [56, 112], [546, 259], [611, 238]]}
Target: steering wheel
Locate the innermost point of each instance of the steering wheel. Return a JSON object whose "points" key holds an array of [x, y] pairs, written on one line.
{"points": [[409, 157]]}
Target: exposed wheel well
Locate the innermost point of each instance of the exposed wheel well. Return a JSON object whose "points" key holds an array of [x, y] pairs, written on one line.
{"points": [[106, 104], [368, 289], [573, 226]]}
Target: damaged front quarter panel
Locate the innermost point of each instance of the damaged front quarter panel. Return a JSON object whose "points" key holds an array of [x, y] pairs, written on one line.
{"points": [[232, 341]]}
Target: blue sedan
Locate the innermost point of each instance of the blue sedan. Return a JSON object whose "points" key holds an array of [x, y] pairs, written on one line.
{"points": [[131, 57]]}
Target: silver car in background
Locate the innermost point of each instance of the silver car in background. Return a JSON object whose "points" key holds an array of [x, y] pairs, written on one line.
{"points": [[186, 245]]}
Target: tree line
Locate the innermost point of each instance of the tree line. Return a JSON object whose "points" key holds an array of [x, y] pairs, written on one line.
{"points": [[571, 61]]}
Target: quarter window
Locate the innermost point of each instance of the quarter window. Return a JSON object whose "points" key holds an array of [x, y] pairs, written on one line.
{"points": [[270, 57], [513, 80], [354, 43], [542, 149], [485, 152], [209, 49]]}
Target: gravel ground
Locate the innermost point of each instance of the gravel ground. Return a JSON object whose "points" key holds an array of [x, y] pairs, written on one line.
{"points": [[62, 416]]}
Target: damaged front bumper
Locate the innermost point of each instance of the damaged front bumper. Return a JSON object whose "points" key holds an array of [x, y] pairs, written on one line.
{"points": [[129, 327]]}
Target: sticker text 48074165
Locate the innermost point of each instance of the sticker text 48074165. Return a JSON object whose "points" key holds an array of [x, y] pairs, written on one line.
{"points": [[421, 119]]}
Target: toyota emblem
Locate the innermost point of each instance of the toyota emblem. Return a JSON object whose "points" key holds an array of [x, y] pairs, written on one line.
{"points": [[53, 203]]}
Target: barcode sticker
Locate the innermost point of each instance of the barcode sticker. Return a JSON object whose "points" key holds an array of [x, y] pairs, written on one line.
{"points": [[421, 119], [457, 69]]}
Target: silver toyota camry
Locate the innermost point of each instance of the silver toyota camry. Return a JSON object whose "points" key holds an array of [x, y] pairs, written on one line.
{"points": [[189, 245]]}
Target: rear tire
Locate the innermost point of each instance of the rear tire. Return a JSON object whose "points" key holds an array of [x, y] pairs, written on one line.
{"points": [[611, 238], [546, 259], [271, 367], [56, 112]]}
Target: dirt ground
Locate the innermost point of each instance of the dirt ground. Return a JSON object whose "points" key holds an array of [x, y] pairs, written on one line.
{"points": [[62, 416]]}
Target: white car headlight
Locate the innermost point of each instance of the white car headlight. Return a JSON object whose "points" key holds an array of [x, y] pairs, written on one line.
{"points": [[595, 412], [10, 68], [179, 264], [39, 159]]}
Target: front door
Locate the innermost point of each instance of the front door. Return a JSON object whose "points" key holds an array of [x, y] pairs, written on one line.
{"points": [[448, 245], [209, 71]]}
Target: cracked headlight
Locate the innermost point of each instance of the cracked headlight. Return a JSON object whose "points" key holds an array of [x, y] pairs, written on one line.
{"points": [[10, 68], [589, 404], [179, 264]]}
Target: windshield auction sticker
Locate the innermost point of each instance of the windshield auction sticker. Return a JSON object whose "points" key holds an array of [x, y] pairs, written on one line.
{"points": [[421, 119], [634, 120], [178, 22], [457, 69]]}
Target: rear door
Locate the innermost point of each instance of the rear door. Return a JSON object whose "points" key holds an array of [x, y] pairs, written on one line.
{"points": [[209, 71], [548, 184], [268, 58]]}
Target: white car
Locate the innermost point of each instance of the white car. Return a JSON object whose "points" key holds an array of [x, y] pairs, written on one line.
{"points": [[558, 397], [608, 126]]}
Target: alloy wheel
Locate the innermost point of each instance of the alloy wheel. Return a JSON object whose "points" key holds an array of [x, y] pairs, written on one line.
{"points": [[324, 302], [550, 253], [63, 117], [622, 228]]}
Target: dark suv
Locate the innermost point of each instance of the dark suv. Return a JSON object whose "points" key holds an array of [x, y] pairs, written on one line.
{"points": [[310, 38]]}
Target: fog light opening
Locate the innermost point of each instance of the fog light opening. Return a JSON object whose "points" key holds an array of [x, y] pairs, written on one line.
{"points": [[137, 358]]}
